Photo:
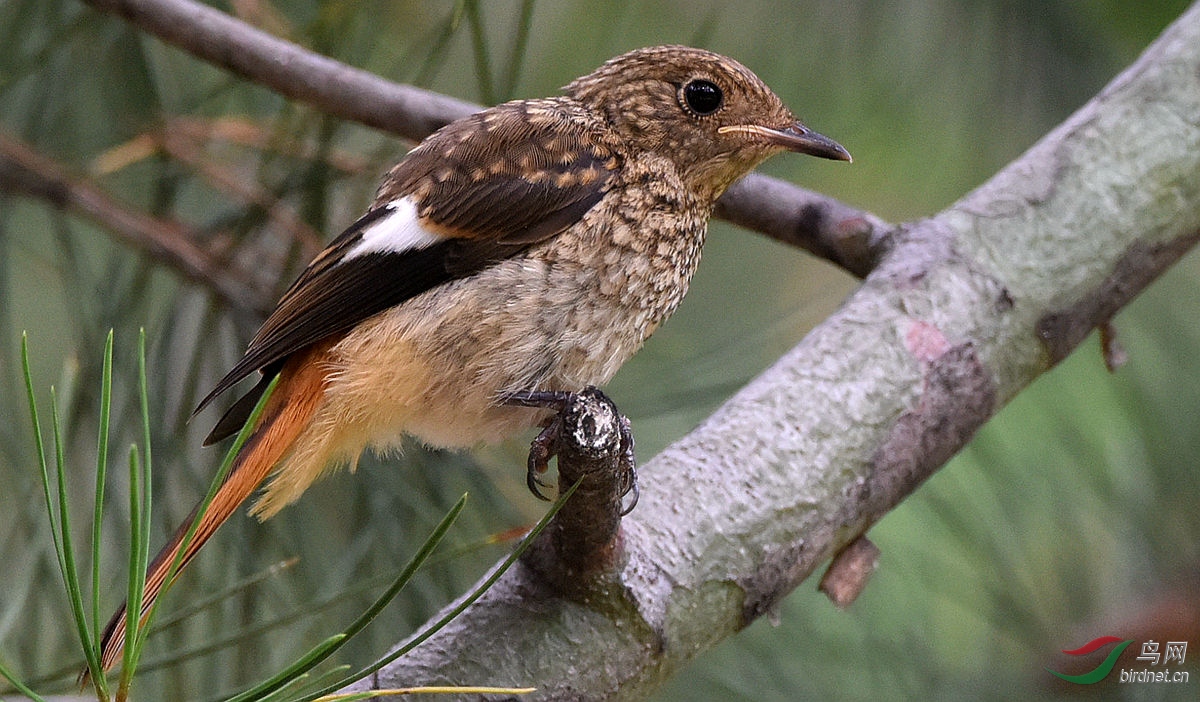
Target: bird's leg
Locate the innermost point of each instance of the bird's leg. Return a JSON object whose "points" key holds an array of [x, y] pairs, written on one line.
{"points": [[545, 445]]}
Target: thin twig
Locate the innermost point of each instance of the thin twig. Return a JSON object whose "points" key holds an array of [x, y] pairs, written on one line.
{"points": [[24, 170], [851, 238], [186, 149], [291, 70]]}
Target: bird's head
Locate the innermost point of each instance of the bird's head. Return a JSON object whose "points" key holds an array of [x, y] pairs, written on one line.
{"points": [[709, 114]]}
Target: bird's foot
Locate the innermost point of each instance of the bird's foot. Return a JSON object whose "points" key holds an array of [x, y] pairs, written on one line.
{"points": [[543, 447], [547, 443]]}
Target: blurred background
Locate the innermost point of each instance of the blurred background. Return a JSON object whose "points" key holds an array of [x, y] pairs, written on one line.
{"points": [[1072, 515]]}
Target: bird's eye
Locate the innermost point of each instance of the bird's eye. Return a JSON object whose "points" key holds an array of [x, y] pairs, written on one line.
{"points": [[702, 97]]}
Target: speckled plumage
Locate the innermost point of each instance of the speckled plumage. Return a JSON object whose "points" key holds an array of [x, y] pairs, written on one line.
{"points": [[565, 314], [558, 311], [533, 246]]}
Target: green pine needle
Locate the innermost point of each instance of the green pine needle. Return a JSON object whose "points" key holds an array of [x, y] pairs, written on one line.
{"points": [[101, 474], [458, 609], [60, 528], [328, 647], [18, 685]]}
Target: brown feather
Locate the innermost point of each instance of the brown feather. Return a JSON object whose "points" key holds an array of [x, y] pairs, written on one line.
{"points": [[503, 173]]}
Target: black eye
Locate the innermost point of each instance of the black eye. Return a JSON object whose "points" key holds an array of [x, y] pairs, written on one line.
{"points": [[702, 97]]}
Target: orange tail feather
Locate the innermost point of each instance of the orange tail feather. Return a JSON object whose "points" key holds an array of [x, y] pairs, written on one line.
{"points": [[288, 412]]}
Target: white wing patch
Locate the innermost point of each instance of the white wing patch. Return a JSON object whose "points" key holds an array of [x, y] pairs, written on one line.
{"points": [[398, 231]]}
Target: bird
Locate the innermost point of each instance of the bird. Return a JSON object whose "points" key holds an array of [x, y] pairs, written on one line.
{"points": [[531, 247]]}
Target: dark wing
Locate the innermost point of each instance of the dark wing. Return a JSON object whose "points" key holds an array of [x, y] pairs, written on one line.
{"points": [[517, 173], [484, 188]]}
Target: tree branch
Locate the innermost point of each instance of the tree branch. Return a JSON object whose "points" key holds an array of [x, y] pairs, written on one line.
{"points": [[25, 171], [822, 225], [851, 238], [966, 310], [959, 313], [291, 70]]}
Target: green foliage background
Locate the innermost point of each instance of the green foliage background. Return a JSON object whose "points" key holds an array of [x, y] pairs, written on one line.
{"points": [[1072, 515]]}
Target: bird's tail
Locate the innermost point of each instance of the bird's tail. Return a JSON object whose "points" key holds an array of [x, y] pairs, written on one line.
{"points": [[295, 400]]}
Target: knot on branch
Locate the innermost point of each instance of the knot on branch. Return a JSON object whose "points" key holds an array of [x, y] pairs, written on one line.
{"points": [[591, 428], [849, 571]]}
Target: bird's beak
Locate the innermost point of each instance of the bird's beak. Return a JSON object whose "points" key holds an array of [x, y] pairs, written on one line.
{"points": [[795, 137]]}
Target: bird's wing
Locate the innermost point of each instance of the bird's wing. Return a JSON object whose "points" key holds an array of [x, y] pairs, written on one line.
{"points": [[480, 190]]}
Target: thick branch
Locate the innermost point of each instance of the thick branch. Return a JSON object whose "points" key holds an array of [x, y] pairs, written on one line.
{"points": [[846, 236], [967, 309]]}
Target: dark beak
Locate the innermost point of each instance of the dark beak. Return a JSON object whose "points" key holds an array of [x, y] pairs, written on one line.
{"points": [[801, 139], [795, 137]]}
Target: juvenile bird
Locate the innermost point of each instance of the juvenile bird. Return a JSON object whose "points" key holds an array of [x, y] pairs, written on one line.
{"points": [[532, 246]]}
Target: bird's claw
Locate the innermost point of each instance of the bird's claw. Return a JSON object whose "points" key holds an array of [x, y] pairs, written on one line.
{"points": [[536, 484], [633, 493], [629, 479], [545, 445], [541, 449]]}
